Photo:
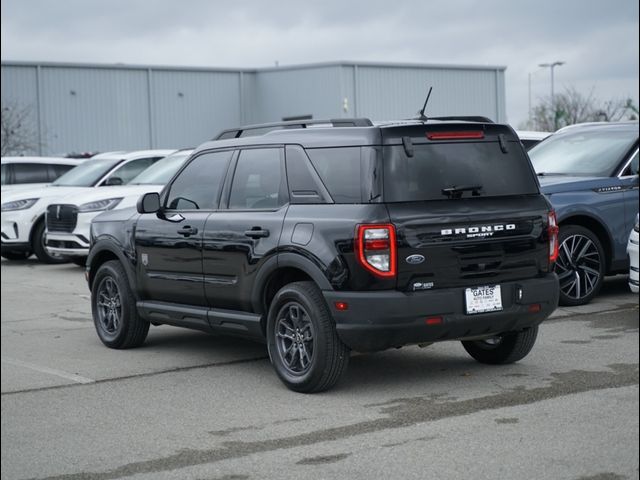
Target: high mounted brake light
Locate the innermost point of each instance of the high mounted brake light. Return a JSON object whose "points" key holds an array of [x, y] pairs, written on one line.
{"points": [[552, 232], [376, 249], [462, 135]]}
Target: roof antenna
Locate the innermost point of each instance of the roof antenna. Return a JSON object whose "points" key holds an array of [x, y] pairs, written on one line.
{"points": [[422, 116]]}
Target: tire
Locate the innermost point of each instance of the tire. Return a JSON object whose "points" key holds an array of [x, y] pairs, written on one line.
{"points": [[303, 344], [502, 349], [580, 266], [37, 244], [80, 261], [113, 306], [16, 255]]}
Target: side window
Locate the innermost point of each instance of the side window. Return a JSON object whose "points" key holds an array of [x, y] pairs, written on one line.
{"points": [[30, 173], [198, 185], [130, 169], [5, 173], [339, 169], [56, 170], [258, 182]]}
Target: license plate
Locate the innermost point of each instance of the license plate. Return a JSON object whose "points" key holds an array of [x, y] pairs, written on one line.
{"points": [[483, 299]]}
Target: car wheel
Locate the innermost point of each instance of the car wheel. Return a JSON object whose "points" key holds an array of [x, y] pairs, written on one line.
{"points": [[16, 255], [113, 306], [580, 265], [504, 348], [303, 344], [38, 245]]}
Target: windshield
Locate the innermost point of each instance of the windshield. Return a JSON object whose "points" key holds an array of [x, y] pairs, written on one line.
{"points": [[161, 171], [586, 153], [87, 174]]}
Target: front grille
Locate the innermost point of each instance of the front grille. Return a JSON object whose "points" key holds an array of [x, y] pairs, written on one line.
{"points": [[62, 218]]}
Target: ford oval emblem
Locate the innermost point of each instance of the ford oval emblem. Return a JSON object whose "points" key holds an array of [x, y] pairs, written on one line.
{"points": [[415, 259]]}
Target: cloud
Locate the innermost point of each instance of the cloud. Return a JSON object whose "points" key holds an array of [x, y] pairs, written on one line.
{"points": [[597, 38]]}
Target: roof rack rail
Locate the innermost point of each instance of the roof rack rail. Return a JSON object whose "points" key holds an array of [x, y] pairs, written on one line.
{"points": [[335, 122], [465, 118]]}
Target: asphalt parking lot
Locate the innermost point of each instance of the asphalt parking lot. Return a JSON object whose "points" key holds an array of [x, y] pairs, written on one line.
{"points": [[192, 405]]}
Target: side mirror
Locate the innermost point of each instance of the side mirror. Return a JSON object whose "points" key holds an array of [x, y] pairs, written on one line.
{"points": [[111, 181], [148, 203]]}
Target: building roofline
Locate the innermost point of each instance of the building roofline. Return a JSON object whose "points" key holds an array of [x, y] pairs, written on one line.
{"points": [[304, 66]]}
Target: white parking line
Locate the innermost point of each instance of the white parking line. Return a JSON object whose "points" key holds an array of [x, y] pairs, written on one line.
{"points": [[51, 371]]}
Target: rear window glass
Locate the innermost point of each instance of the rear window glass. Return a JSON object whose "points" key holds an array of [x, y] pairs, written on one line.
{"points": [[339, 170], [435, 167]]}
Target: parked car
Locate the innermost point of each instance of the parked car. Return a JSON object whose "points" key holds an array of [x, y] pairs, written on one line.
{"points": [[31, 172], [632, 251], [68, 220], [23, 226], [324, 240], [530, 138], [590, 174]]}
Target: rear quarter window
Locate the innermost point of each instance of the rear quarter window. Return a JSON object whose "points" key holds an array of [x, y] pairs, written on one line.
{"points": [[434, 167], [339, 170]]}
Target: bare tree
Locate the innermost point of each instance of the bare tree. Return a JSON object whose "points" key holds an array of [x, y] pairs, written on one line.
{"points": [[572, 107], [18, 132]]}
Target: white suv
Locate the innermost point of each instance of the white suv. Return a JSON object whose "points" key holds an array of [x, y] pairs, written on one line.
{"points": [[69, 219], [23, 226], [19, 173]]}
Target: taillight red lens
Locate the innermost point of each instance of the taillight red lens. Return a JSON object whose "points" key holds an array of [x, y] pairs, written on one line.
{"points": [[462, 135], [376, 249], [552, 231]]}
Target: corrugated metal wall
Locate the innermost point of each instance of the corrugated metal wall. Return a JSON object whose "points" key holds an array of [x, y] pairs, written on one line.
{"points": [[189, 108], [294, 92], [389, 93], [102, 107]]}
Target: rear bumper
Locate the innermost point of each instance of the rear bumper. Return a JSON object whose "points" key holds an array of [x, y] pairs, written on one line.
{"points": [[380, 320]]}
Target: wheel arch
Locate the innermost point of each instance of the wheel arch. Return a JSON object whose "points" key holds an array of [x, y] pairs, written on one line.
{"points": [[279, 271], [104, 251]]}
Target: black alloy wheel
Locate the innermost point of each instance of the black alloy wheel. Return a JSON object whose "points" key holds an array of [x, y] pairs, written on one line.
{"points": [[109, 306], [113, 306], [303, 343], [295, 338]]}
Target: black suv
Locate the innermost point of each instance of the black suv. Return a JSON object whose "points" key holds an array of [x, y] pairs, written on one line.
{"points": [[346, 236]]}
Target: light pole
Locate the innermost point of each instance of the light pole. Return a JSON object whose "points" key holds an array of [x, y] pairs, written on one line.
{"points": [[551, 66]]}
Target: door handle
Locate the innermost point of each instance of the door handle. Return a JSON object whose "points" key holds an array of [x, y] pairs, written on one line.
{"points": [[187, 231], [257, 232]]}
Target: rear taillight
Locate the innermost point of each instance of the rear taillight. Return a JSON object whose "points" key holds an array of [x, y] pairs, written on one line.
{"points": [[552, 232], [376, 249]]}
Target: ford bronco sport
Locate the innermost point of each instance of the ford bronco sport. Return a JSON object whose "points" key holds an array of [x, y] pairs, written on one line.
{"points": [[321, 239]]}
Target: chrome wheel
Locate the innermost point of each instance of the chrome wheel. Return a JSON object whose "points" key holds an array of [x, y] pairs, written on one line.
{"points": [[295, 340], [109, 306], [579, 267]]}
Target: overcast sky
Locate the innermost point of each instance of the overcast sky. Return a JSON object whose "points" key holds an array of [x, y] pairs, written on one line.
{"points": [[598, 39]]}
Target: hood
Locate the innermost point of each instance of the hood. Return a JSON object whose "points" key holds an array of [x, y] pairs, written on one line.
{"points": [[105, 193], [48, 192], [563, 183]]}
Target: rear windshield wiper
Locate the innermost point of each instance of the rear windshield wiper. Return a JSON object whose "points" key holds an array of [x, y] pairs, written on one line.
{"points": [[546, 174], [456, 191]]}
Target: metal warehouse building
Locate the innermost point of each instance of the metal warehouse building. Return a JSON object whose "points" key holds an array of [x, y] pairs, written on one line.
{"points": [[93, 107]]}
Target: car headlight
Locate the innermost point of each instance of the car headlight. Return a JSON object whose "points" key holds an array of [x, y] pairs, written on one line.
{"points": [[636, 227], [100, 205], [19, 204]]}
